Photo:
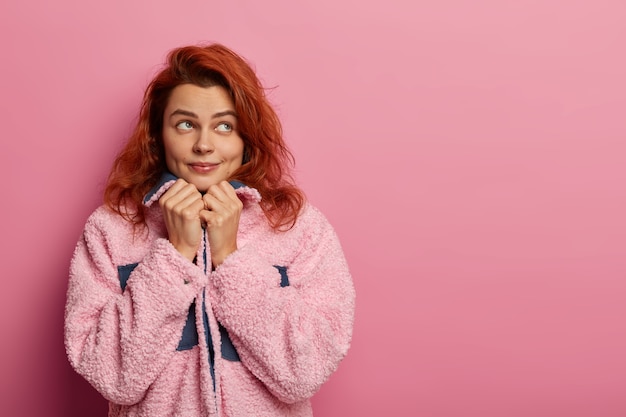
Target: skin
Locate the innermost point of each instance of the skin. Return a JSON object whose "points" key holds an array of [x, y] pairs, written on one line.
{"points": [[203, 149]]}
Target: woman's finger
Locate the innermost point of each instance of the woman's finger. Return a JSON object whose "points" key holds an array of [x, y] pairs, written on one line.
{"points": [[221, 195], [181, 206]]}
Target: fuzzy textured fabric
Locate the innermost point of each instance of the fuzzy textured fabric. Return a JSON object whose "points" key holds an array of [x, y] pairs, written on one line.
{"points": [[125, 334]]}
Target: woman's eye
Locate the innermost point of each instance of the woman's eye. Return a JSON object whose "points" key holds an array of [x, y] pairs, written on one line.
{"points": [[185, 125], [224, 127]]}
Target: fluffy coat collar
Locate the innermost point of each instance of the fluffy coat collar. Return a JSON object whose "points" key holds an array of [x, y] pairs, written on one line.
{"points": [[168, 179]]}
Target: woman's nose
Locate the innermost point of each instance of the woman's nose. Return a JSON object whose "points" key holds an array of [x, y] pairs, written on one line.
{"points": [[203, 143]]}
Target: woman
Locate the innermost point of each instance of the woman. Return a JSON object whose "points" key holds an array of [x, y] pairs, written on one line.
{"points": [[206, 285]]}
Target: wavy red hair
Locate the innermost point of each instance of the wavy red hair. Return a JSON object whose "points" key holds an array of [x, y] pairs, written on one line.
{"points": [[267, 161]]}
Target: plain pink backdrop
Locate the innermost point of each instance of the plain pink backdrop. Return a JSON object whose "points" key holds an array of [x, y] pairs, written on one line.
{"points": [[471, 155]]}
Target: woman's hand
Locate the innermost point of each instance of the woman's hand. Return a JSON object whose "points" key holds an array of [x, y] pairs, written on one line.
{"points": [[181, 206], [222, 209]]}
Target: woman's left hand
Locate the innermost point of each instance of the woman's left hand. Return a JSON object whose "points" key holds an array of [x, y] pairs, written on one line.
{"points": [[222, 209]]}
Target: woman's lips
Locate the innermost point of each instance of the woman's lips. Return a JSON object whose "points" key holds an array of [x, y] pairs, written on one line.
{"points": [[203, 167]]}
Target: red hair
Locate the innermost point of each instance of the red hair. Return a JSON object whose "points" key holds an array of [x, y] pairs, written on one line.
{"points": [[266, 164]]}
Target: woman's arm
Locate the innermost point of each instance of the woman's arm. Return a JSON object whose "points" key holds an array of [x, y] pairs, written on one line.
{"points": [[291, 338], [120, 340]]}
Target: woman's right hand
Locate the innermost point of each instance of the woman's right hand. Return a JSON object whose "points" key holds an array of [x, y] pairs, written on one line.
{"points": [[181, 206]]}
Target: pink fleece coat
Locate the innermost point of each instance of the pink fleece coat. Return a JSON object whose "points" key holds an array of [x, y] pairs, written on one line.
{"points": [[126, 337]]}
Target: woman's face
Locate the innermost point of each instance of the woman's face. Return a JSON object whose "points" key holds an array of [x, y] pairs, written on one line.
{"points": [[202, 145]]}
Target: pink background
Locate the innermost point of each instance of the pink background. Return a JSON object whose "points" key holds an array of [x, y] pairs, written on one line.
{"points": [[471, 155]]}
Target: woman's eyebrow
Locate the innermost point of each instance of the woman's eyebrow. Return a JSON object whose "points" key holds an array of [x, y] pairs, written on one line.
{"points": [[224, 113], [184, 113], [195, 116]]}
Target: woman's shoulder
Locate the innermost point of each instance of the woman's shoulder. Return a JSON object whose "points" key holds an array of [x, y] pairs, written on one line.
{"points": [[105, 220], [312, 221], [309, 213], [104, 213]]}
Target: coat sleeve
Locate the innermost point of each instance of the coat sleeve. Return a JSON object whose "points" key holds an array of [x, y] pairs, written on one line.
{"points": [[291, 338], [120, 340]]}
